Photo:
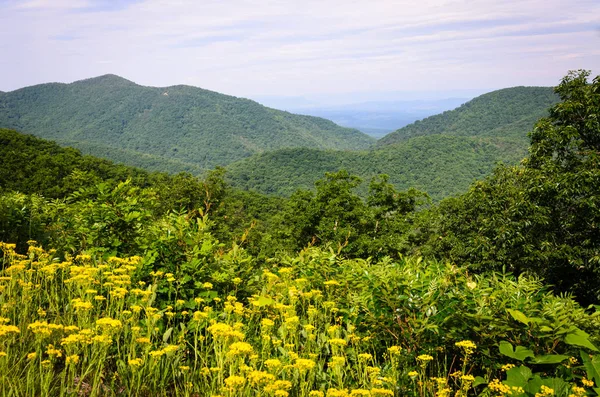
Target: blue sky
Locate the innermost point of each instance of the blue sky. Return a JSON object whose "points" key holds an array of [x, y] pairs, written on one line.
{"points": [[307, 48]]}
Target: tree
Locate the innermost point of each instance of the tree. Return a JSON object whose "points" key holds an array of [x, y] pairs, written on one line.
{"points": [[543, 216]]}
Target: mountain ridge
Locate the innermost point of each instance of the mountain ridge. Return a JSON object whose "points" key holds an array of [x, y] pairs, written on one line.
{"points": [[183, 123], [441, 158]]}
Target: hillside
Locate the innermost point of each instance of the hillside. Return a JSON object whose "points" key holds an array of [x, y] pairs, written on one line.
{"points": [[501, 113], [441, 155], [161, 128], [440, 165]]}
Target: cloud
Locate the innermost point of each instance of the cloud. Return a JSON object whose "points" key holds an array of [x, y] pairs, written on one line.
{"points": [[270, 47]]}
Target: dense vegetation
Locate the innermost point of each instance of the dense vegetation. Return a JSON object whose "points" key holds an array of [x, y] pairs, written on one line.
{"points": [[441, 155], [170, 285], [502, 113], [439, 165], [164, 126]]}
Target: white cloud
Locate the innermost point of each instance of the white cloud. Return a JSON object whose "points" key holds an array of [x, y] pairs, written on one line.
{"points": [[261, 47]]}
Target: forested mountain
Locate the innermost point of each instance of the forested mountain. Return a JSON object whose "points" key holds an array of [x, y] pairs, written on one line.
{"points": [[135, 283], [162, 128], [441, 155], [440, 165], [501, 113]]}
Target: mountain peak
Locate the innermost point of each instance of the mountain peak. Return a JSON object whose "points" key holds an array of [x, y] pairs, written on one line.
{"points": [[107, 79]]}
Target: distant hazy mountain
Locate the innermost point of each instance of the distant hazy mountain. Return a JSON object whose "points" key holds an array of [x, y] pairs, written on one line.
{"points": [[441, 155], [375, 118], [171, 129], [509, 109]]}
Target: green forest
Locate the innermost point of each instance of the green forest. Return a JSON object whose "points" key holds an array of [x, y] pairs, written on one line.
{"points": [[187, 129], [171, 129], [117, 280]]}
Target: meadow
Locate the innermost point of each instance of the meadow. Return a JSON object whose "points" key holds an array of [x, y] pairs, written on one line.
{"points": [[310, 325]]}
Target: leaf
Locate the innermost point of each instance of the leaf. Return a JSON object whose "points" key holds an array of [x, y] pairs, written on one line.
{"points": [[592, 366], [519, 316], [518, 376], [263, 301], [167, 334], [549, 359], [479, 381], [580, 338], [520, 353]]}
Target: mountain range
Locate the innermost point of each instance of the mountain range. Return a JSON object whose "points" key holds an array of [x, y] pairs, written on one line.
{"points": [[183, 128], [442, 154], [179, 128]]}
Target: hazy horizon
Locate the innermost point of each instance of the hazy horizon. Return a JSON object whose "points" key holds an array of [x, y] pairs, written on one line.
{"points": [[308, 49]]}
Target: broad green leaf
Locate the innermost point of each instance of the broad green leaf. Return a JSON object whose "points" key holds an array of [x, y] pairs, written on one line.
{"points": [[519, 353], [167, 334], [549, 359], [263, 301], [592, 366], [519, 316], [518, 376], [580, 338], [479, 381]]}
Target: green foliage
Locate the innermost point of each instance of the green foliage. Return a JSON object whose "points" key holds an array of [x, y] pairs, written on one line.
{"points": [[172, 129], [502, 113], [441, 155], [440, 165], [541, 217], [32, 165]]}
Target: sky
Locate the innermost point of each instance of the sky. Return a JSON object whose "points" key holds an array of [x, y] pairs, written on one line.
{"points": [[305, 48]]}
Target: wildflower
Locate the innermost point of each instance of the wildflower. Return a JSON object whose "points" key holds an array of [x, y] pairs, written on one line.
{"points": [[304, 364], [394, 350], [337, 393], [413, 374], [31, 356], [545, 391], [337, 361], [467, 345], [79, 304], [235, 381], [365, 356], [281, 385], [375, 392], [51, 351], [316, 393], [156, 353], [72, 359], [7, 329], [109, 322], [135, 362], [102, 339], [239, 349], [170, 348], [3, 354], [260, 377], [184, 368], [587, 382], [424, 358], [207, 285], [237, 281], [338, 342], [272, 363], [573, 361], [507, 367], [360, 392]]}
